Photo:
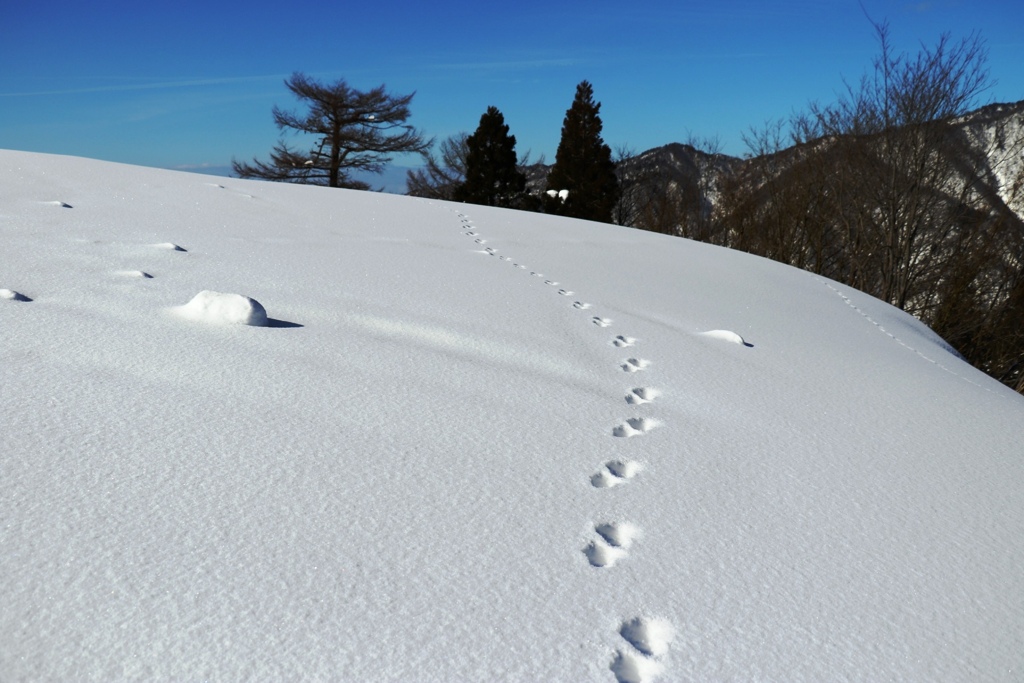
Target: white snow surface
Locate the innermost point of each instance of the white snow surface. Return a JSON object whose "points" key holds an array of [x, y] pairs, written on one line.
{"points": [[414, 471]]}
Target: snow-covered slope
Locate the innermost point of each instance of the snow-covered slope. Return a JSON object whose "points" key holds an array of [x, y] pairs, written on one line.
{"points": [[455, 443], [996, 133]]}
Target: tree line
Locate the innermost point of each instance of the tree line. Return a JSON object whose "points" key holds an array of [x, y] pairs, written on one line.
{"points": [[357, 131], [888, 189]]}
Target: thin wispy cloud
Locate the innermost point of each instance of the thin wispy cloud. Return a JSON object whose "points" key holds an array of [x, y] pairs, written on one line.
{"points": [[152, 85], [504, 66]]}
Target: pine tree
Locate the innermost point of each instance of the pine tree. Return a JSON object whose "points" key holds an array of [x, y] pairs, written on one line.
{"points": [[492, 177], [582, 182], [354, 131]]}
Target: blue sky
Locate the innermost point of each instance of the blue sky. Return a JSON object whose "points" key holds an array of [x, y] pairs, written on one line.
{"points": [[191, 84]]}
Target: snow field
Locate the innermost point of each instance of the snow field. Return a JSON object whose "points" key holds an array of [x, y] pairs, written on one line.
{"points": [[486, 445]]}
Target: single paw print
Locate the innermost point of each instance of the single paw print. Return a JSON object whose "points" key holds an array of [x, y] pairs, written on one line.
{"points": [[635, 365], [615, 472]]}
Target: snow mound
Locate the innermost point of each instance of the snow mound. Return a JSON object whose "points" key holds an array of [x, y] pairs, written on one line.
{"points": [[224, 309], [727, 336], [11, 295]]}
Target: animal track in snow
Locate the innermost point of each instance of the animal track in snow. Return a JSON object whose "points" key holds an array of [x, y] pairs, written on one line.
{"points": [[601, 322], [601, 555], [492, 251], [618, 534], [480, 241], [136, 273], [11, 295], [635, 365], [614, 538], [631, 668], [551, 282], [634, 426], [728, 336], [650, 637], [580, 305], [565, 292], [641, 395], [623, 341], [614, 473], [57, 202]]}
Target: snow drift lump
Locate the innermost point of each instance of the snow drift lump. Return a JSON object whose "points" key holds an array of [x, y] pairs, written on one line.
{"points": [[224, 309]]}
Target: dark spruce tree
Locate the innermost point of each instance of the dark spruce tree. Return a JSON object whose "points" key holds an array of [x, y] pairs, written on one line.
{"points": [[582, 182], [492, 177], [352, 131]]}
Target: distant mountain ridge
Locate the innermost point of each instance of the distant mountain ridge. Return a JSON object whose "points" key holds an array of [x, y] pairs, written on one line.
{"points": [[683, 167]]}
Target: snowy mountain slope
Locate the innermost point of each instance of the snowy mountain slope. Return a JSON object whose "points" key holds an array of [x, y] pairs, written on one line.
{"points": [[990, 137], [474, 444], [997, 133]]}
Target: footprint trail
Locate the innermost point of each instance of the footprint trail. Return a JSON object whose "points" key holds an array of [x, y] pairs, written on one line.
{"points": [[640, 658]]}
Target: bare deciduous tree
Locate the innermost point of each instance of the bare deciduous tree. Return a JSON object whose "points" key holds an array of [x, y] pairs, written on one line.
{"points": [[441, 175], [900, 163], [886, 190]]}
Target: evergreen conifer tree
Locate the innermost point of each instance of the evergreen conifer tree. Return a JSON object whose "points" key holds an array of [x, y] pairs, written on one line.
{"points": [[583, 164], [492, 177], [353, 131]]}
